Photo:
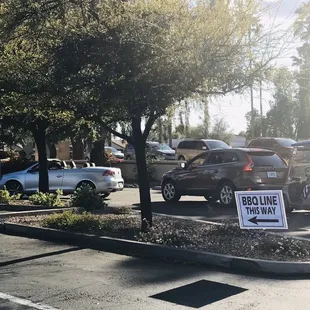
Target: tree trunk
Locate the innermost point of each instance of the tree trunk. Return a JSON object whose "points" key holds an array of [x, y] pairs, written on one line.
{"points": [[77, 147], [39, 135], [144, 186], [97, 154], [52, 148]]}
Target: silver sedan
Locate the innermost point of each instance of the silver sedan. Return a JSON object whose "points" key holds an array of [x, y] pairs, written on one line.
{"points": [[104, 179]]}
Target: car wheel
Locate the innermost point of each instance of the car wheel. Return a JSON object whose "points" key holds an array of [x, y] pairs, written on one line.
{"points": [[169, 192], [211, 199], [14, 187], [105, 195], [181, 157], [227, 194], [86, 183]]}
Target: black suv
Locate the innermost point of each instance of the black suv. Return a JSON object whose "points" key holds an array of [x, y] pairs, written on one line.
{"points": [[217, 174]]}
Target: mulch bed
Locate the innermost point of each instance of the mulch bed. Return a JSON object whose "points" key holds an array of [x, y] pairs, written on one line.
{"points": [[228, 239]]}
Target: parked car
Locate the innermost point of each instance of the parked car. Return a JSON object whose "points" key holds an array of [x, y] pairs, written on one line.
{"points": [[155, 149], [189, 148], [296, 192], [217, 174], [104, 179], [281, 146], [116, 153], [110, 151]]}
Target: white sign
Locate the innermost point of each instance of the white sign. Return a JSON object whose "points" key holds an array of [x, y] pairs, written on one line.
{"points": [[261, 210]]}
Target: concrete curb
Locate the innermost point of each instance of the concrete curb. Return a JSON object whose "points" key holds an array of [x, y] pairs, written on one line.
{"points": [[147, 250], [10, 208], [37, 212]]}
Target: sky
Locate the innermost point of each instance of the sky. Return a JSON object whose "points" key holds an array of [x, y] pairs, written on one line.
{"points": [[234, 107]]}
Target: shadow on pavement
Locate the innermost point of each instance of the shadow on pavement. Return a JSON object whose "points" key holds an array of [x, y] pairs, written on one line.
{"points": [[152, 271], [29, 258], [201, 210], [199, 293]]}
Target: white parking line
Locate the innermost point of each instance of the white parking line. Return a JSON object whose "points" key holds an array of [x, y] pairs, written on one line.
{"points": [[25, 302]]}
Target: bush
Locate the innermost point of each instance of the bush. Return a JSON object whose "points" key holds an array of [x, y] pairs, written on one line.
{"points": [[111, 225], [47, 199], [86, 197], [5, 196], [68, 220], [120, 210]]}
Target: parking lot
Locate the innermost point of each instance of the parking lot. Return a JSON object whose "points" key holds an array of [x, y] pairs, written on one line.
{"points": [[197, 208], [39, 275]]}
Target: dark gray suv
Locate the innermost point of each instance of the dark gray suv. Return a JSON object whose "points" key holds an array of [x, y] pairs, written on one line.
{"points": [[217, 174]]}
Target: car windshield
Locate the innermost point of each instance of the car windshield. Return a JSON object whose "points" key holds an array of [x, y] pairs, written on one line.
{"points": [[163, 147], [112, 149], [217, 145], [285, 142]]}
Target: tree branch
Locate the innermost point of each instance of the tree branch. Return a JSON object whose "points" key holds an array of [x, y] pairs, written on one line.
{"points": [[148, 126], [116, 133]]}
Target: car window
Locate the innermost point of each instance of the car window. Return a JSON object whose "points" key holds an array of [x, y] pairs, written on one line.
{"points": [[199, 145], [198, 160], [35, 168], [216, 158], [285, 142], [163, 147], [230, 157], [267, 159], [254, 143], [217, 144], [182, 145], [54, 165], [268, 143]]}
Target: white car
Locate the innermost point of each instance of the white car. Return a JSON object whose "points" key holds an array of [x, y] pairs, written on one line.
{"points": [[104, 179]]}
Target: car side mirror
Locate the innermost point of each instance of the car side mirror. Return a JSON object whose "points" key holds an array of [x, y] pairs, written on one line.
{"points": [[204, 147], [183, 165]]}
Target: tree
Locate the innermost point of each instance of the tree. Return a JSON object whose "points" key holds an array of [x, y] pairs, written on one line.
{"points": [[130, 61], [255, 125], [28, 84], [283, 117], [26, 80], [302, 61], [220, 131]]}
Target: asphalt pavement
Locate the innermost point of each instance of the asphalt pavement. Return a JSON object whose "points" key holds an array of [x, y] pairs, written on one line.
{"points": [[43, 275], [197, 208]]}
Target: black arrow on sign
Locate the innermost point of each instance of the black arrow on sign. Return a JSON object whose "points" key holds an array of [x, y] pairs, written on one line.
{"points": [[255, 220]]}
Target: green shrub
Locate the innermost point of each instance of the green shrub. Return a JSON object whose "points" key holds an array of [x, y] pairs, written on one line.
{"points": [[86, 197], [5, 196], [111, 225], [47, 199], [84, 223], [120, 210]]}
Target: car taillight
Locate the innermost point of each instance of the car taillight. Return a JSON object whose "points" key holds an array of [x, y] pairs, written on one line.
{"points": [[249, 166], [108, 173]]}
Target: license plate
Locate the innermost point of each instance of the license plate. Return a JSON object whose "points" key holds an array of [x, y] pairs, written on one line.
{"points": [[272, 174]]}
